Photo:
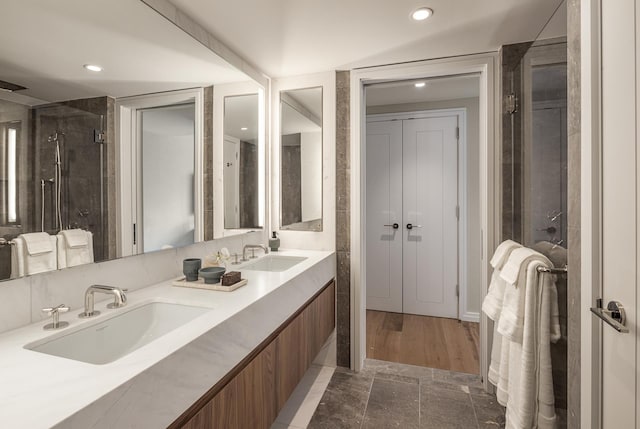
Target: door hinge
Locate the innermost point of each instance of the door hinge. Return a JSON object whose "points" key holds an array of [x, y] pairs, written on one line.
{"points": [[457, 133], [511, 103], [135, 239], [98, 136], [458, 212], [458, 290]]}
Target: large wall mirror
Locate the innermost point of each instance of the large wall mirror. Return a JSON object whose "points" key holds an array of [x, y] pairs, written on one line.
{"points": [[106, 135], [301, 159]]}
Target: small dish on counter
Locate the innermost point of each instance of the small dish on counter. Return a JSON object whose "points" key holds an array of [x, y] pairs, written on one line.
{"points": [[211, 275]]}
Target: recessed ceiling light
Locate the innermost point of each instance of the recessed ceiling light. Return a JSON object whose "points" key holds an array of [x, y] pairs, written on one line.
{"points": [[93, 67], [420, 84], [244, 129], [421, 14]]}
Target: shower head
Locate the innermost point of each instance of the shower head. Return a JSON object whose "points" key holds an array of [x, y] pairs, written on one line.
{"points": [[53, 138]]}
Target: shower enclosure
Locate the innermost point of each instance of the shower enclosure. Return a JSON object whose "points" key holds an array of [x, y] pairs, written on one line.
{"points": [[534, 168], [52, 171]]}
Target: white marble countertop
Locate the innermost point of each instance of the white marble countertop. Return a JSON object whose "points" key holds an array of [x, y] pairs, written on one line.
{"points": [[153, 385]]}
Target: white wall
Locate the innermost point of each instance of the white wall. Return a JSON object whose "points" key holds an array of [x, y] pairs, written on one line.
{"points": [[168, 199], [474, 275], [311, 175]]}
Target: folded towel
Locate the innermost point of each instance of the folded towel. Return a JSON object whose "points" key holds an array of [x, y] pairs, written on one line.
{"points": [[37, 243], [502, 253], [69, 256], [514, 273], [38, 262], [75, 238], [492, 303]]}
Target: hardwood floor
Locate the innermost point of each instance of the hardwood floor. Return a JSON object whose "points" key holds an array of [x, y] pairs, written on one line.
{"points": [[433, 342]]}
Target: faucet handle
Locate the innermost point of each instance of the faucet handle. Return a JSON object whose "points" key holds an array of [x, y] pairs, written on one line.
{"points": [[55, 313], [53, 310]]}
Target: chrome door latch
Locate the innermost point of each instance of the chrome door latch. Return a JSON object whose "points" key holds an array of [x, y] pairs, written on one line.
{"points": [[614, 315]]}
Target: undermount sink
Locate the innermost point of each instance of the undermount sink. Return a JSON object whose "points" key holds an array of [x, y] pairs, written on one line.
{"points": [[275, 263], [119, 335]]}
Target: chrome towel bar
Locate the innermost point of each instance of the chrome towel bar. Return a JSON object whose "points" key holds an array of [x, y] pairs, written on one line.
{"points": [[562, 270]]}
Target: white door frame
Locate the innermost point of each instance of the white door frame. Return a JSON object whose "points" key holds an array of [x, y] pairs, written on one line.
{"points": [[485, 65], [127, 156], [461, 113], [590, 212]]}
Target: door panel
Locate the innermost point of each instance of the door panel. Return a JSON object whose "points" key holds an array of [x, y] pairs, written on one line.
{"points": [[619, 210], [384, 207], [430, 197]]}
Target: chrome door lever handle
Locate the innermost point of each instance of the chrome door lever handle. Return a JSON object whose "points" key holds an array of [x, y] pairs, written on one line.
{"points": [[393, 225], [411, 226], [614, 315]]}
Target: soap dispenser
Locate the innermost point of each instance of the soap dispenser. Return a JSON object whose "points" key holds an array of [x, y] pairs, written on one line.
{"points": [[274, 242]]}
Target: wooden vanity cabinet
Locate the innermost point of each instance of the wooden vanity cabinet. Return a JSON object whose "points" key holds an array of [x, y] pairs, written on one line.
{"points": [[253, 394]]}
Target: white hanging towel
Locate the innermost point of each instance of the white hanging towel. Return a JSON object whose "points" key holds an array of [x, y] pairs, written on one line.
{"points": [[38, 254], [492, 303], [492, 307], [75, 247], [531, 401], [17, 258], [514, 273]]}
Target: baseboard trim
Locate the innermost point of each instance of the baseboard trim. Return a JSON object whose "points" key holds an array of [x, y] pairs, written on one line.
{"points": [[470, 317]]}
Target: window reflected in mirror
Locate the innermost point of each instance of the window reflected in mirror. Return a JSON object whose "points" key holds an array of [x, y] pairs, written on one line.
{"points": [[241, 162], [301, 159]]}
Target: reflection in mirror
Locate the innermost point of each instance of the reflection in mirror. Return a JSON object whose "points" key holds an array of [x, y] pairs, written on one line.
{"points": [[62, 167], [168, 144], [241, 154], [301, 159]]}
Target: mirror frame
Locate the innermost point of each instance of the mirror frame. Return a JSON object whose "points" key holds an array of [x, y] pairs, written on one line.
{"points": [[220, 92], [312, 240]]}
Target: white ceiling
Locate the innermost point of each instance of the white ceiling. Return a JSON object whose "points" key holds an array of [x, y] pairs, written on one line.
{"points": [[290, 37], [45, 43], [449, 88]]}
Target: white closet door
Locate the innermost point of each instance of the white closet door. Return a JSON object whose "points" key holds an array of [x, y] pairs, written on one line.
{"points": [[384, 208], [430, 230]]}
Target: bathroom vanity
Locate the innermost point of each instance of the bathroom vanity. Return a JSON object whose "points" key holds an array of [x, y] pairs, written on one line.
{"points": [[233, 360]]}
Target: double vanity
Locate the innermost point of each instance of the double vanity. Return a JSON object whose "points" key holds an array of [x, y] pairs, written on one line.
{"points": [[167, 357]]}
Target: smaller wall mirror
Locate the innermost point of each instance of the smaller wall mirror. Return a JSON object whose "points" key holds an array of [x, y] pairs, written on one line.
{"points": [[241, 154], [301, 159]]}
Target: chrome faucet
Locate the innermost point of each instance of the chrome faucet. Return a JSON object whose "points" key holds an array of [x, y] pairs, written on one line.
{"points": [[253, 246], [120, 299]]}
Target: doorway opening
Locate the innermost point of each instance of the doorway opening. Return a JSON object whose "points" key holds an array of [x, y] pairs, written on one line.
{"points": [[157, 133], [422, 240]]}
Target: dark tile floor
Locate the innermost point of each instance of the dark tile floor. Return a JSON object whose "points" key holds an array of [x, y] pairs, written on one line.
{"points": [[391, 395]]}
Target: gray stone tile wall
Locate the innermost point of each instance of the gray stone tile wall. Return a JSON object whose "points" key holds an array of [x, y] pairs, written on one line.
{"points": [[208, 163], [343, 218], [574, 217]]}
